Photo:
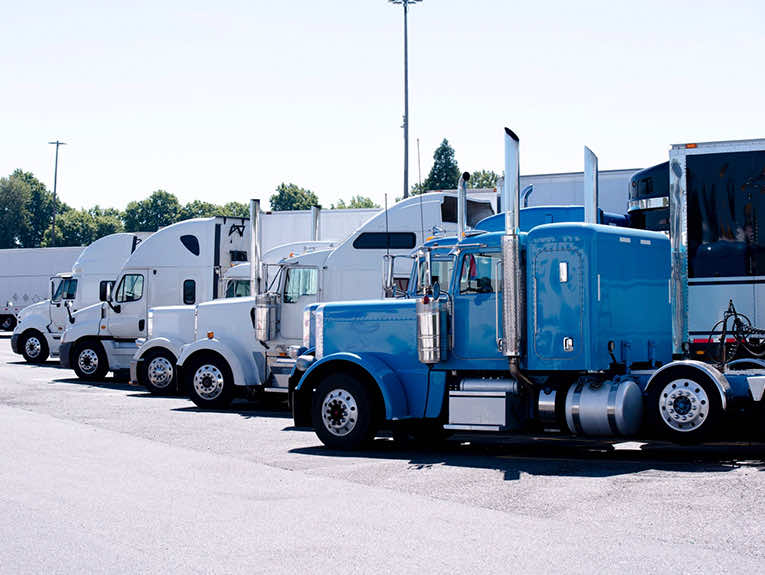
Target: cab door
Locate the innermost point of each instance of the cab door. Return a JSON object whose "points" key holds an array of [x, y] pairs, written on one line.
{"points": [[130, 297], [475, 309], [301, 288], [64, 295]]}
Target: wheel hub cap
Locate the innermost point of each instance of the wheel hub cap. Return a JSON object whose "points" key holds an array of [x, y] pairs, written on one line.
{"points": [[684, 405], [339, 412], [208, 381], [88, 361], [160, 372], [32, 346]]}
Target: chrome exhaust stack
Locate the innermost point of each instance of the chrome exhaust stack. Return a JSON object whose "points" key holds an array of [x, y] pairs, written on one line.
{"points": [[254, 247], [512, 282], [462, 205], [315, 223], [591, 214]]}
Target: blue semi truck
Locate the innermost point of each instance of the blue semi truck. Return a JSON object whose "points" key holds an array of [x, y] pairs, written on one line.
{"points": [[568, 327]]}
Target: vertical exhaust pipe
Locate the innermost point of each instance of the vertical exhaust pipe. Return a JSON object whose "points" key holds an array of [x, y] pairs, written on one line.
{"points": [[591, 214], [254, 247], [462, 205], [512, 282], [315, 223]]}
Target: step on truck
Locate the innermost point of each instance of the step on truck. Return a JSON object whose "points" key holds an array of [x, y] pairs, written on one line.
{"points": [[569, 328], [181, 264], [42, 324], [248, 350], [25, 278]]}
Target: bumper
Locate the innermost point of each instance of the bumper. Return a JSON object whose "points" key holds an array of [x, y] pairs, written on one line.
{"points": [[64, 354], [15, 343]]}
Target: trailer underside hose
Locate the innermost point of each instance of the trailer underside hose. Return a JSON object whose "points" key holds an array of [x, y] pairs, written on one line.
{"points": [[739, 327]]}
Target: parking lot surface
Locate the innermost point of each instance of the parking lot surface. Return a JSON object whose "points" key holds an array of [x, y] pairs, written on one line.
{"points": [[104, 478]]}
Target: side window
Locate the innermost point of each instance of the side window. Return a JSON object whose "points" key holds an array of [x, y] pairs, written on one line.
{"points": [[238, 256], [189, 292], [58, 291], [242, 288], [477, 275], [383, 240], [130, 288], [300, 282], [191, 243], [70, 288]]}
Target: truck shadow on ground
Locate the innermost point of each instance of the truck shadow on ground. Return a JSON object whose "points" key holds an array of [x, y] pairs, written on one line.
{"points": [[247, 409], [48, 363], [105, 384], [560, 457]]}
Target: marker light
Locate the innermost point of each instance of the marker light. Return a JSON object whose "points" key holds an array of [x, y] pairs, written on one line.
{"points": [[691, 146], [210, 334]]}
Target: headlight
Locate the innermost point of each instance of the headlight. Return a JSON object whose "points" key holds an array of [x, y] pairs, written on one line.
{"points": [[320, 332], [307, 328]]}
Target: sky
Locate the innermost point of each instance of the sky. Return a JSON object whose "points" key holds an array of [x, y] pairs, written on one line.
{"points": [[222, 101]]}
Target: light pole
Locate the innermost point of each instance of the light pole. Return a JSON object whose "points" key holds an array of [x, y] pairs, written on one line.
{"points": [[55, 181], [405, 125]]}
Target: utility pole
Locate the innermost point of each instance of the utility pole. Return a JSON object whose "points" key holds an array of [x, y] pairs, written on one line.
{"points": [[55, 181], [405, 125]]}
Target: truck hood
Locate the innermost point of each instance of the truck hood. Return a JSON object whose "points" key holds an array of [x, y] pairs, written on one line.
{"points": [[89, 313], [41, 307]]}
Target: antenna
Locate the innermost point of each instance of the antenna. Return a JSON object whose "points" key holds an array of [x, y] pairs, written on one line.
{"points": [[387, 233], [419, 179]]}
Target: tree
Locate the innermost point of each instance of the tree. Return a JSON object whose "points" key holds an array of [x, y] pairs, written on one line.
{"points": [[445, 174], [158, 210], [483, 179], [236, 210], [198, 209], [292, 197], [83, 227], [38, 211], [355, 203], [14, 196]]}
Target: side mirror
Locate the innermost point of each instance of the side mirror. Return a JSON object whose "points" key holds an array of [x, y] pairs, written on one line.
{"points": [[436, 290]]}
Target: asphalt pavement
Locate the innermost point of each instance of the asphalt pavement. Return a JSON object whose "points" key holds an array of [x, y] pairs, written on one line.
{"points": [[104, 478]]}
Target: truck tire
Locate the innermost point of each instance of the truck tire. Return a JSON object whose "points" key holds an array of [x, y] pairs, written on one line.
{"points": [[34, 347], [209, 381], [7, 322], [343, 412], [157, 372], [683, 405], [89, 360]]}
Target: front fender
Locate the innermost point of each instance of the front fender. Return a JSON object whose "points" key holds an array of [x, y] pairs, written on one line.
{"points": [[35, 321], [90, 327], [389, 384], [243, 365], [171, 344]]}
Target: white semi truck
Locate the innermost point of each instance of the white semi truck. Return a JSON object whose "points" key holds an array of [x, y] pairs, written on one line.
{"points": [[181, 264], [245, 343], [25, 277], [38, 332]]}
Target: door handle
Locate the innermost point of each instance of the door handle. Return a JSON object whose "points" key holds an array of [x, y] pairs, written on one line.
{"points": [[141, 323]]}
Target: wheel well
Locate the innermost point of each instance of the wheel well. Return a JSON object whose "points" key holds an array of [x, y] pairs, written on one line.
{"points": [[205, 353], [31, 330], [353, 370], [155, 351], [700, 371], [87, 339]]}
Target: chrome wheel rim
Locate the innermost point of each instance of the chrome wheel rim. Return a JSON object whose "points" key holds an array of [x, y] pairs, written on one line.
{"points": [[88, 361], [208, 381], [32, 347], [339, 412], [160, 372], [683, 405]]}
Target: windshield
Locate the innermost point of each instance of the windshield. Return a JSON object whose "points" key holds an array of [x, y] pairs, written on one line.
{"points": [[441, 272], [238, 288], [66, 289]]}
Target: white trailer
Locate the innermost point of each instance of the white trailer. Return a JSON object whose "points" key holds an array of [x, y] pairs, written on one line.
{"points": [[25, 277], [183, 264], [40, 326], [245, 343]]}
